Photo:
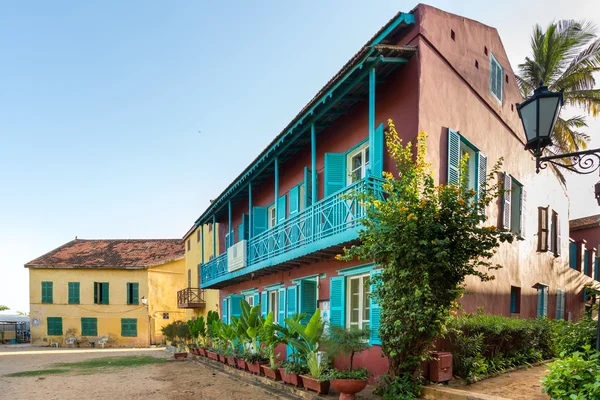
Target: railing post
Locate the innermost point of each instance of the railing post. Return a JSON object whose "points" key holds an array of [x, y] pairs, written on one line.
{"points": [[214, 226]]}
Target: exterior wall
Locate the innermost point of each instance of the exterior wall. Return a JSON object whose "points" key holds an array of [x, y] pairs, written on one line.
{"points": [[193, 257], [465, 104], [109, 315], [590, 235]]}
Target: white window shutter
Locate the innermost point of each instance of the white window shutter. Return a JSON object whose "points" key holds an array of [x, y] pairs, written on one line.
{"points": [[506, 208]]}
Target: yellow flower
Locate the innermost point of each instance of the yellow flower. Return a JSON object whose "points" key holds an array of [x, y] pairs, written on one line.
{"points": [[412, 217]]}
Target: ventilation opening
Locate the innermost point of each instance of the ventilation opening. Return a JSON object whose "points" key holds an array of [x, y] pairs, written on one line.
{"points": [[512, 107], [485, 50], [506, 78], [476, 64], [452, 35]]}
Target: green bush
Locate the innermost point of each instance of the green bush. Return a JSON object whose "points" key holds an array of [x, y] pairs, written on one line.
{"points": [[404, 387], [572, 337], [576, 377], [484, 344]]}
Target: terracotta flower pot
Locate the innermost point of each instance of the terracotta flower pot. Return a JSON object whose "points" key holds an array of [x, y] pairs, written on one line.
{"points": [[292, 379], [212, 355], [180, 355], [270, 373], [202, 351], [348, 387], [222, 358], [231, 361], [283, 374], [241, 364], [314, 384], [255, 367]]}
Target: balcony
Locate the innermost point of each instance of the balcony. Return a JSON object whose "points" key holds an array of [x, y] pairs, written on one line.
{"points": [[191, 298], [317, 232]]}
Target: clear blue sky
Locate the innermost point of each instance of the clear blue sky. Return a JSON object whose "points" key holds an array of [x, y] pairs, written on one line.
{"points": [[122, 119]]}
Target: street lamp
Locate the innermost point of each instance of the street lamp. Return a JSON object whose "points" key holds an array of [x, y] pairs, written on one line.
{"points": [[539, 114], [144, 301]]}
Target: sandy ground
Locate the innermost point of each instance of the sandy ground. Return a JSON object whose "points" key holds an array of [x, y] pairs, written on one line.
{"points": [[173, 380], [522, 384]]}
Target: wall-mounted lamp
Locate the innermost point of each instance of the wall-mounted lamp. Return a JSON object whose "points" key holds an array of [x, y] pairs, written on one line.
{"points": [[144, 301]]}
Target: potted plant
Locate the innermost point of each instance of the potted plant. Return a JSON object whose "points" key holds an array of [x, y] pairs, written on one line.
{"points": [[272, 335], [308, 344], [254, 361], [292, 373], [212, 353], [344, 341], [180, 353], [239, 359]]}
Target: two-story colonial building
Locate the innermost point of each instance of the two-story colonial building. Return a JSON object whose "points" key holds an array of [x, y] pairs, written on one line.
{"points": [[285, 216], [123, 290]]}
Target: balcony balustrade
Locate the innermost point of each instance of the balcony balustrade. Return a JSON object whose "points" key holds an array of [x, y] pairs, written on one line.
{"points": [[191, 298]]}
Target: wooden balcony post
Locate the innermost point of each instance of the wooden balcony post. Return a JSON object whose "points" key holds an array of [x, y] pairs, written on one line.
{"points": [[313, 165]]}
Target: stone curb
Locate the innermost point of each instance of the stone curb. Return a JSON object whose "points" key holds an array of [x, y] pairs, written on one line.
{"points": [[445, 393]]}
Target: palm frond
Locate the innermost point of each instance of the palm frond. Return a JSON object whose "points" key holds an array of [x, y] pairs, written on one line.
{"points": [[589, 100]]}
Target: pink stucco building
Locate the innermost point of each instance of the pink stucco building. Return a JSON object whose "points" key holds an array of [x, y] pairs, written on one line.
{"points": [[281, 222]]}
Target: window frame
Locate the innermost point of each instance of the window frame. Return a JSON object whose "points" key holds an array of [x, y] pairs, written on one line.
{"points": [[513, 208], [99, 298], [273, 304], [543, 228], [493, 61], [515, 304], [472, 162], [130, 291], [271, 220], [363, 282], [250, 299], [362, 149]]}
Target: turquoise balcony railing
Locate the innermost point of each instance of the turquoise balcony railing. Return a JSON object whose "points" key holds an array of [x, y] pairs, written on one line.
{"points": [[331, 221]]}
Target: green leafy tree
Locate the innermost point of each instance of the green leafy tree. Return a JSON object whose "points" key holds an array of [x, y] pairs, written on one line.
{"points": [[565, 57], [427, 240], [4, 308]]}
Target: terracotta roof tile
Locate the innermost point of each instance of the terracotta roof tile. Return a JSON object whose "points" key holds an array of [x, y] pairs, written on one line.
{"points": [[114, 254], [585, 222]]}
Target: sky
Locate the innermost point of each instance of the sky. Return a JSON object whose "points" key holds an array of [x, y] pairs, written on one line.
{"points": [[123, 119]]}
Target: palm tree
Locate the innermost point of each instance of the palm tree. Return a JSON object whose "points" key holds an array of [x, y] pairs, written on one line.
{"points": [[565, 57]]}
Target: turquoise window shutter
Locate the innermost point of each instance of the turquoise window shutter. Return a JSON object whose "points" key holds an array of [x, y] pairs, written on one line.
{"points": [[292, 301], [540, 301], [377, 152], [236, 308], [513, 301], [545, 291], [335, 172], [264, 304], [453, 157], [586, 263], [506, 209], [294, 200], [596, 270], [307, 187], [375, 312], [136, 293], [560, 304], [243, 229], [337, 301], [281, 208], [259, 220], [308, 298], [573, 255], [281, 306], [224, 310], [481, 175], [256, 298]]}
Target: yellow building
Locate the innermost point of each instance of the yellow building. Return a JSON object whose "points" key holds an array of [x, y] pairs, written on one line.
{"points": [[193, 241], [123, 290]]}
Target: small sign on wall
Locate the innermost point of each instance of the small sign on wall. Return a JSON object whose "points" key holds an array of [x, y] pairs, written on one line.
{"points": [[324, 307], [166, 315]]}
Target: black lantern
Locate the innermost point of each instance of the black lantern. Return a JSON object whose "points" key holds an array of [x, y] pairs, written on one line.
{"points": [[539, 114]]}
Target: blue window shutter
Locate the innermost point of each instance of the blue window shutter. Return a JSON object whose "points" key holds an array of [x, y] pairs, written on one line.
{"points": [[453, 157], [294, 200], [573, 255], [545, 291], [224, 311], [506, 209], [281, 209], [596, 270], [375, 312], [513, 301], [259, 220], [481, 175], [335, 172], [307, 187], [337, 301], [256, 298], [540, 301], [282, 306], [308, 298], [377, 152], [243, 228], [586, 263], [235, 306], [264, 303], [227, 236], [292, 301]]}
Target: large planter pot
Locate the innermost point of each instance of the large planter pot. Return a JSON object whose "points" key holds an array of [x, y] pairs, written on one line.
{"points": [[349, 387], [212, 355], [222, 358], [292, 379], [241, 364], [231, 361], [180, 355], [202, 351], [255, 367], [314, 384], [270, 373]]}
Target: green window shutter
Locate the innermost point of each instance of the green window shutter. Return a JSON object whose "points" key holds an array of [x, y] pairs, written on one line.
{"points": [[374, 312], [96, 300], [294, 200], [105, 292], [47, 292], [54, 326], [73, 292], [596, 270], [573, 255], [129, 327], [292, 301], [337, 301], [259, 220], [136, 293], [307, 187], [377, 152], [308, 299], [281, 306], [506, 209], [281, 208], [128, 289], [496, 81], [453, 157], [481, 176], [224, 311], [335, 172], [236, 307], [89, 326], [256, 298], [264, 301]]}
